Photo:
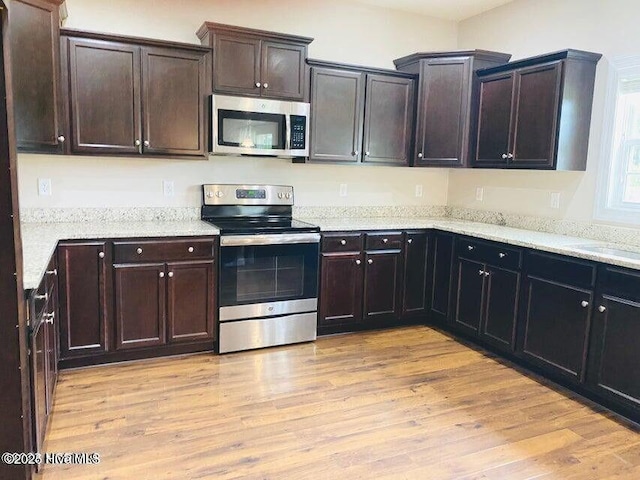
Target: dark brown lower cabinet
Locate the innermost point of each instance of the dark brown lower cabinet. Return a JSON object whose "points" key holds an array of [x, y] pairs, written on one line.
{"points": [[555, 327], [613, 357], [85, 312], [382, 280], [440, 282], [190, 301], [502, 290], [469, 295], [140, 296], [414, 296], [341, 290]]}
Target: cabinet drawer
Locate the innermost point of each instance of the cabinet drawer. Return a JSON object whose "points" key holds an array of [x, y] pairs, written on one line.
{"points": [[491, 253], [342, 242], [158, 251], [619, 282], [560, 269], [384, 241]]}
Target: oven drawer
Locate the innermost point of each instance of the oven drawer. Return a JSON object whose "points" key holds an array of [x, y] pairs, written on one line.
{"points": [[159, 251], [384, 241], [341, 242]]}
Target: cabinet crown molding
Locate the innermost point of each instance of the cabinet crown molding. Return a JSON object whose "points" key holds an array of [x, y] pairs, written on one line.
{"points": [[208, 27], [478, 54], [569, 54]]}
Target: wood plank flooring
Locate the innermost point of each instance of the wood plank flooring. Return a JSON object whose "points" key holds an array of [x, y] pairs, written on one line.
{"points": [[409, 403]]}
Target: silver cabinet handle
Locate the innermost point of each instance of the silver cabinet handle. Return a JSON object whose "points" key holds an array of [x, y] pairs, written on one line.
{"points": [[265, 85], [146, 143], [504, 156], [44, 297], [584, 304], [358, 262], [170, 274], [410, 240], [509, 155], [139, 251], [61, 139], [343, 242], [470, 247], [190, 249], [52, 272], [137, 143], [49, 317], [480, 272], [101, 254], [355, 153], [502, 255], [602, 309], [367, 153], [161, 274], [370, 261], [385, 240], [420, 155], [486, 274], [258, 84]]}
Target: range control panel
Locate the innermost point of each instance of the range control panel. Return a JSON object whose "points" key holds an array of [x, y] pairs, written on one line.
{"points": [[247, 194], [298, 132]]}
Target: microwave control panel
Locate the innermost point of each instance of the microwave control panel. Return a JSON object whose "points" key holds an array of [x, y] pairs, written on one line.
{"points": [[298, 132]]}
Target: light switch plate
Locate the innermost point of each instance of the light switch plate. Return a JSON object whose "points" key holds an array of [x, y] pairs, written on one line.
{"points": [[168, 188], [343, 189], [44, 187], [419, 191], [554, 200], [479, 194]]}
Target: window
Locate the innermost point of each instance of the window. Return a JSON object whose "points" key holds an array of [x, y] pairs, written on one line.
{"points": [[619, 189]]}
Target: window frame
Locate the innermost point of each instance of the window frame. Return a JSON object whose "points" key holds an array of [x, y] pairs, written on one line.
{"points": [[610, 204]]}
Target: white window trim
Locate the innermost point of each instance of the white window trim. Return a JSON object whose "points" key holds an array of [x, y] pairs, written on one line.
{"points": [[619, 67]]}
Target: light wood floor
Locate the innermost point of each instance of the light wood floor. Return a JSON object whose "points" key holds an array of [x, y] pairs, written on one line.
{"points": [[408, 403]]}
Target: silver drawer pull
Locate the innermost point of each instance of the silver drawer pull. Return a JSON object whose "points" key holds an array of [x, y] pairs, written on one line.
{"points": [[470, 247], [52, 272], [190, 249], [480, 272], [343, 242], [170, 274], [49, 317], [410, 240], [584, 304], [101, 254], [502, 255], [358, 262], [486, 274], [161, 274], [139, 251], [370, 261], [602, 309], [385, 240], [44, 297]]}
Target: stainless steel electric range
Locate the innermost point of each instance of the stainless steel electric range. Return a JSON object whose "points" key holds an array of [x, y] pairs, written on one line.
{"points": [[268, 267]]}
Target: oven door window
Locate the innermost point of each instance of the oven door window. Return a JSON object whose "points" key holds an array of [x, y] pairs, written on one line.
{"points": [[268, 273], [260, 131]]}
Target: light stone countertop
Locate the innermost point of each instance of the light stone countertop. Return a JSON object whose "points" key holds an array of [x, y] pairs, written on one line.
{"points": [[39, 240], [548, 242]]}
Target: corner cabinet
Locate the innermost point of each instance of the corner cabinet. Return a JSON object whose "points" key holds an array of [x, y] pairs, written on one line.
{"points": [[256, 63], [444, 103], [134, 97], [38, 97], [360, 115], [535, 113]]}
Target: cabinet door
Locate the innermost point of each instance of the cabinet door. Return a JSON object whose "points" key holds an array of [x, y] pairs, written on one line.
{"points": [[104, 80], [190, 306], [501, 311], [382, 278], [613, 356], [414, 296], [51, 361], [39, 384], [494, 120], [236, 65], [536, 115], [282, 73], [443, 118], [556, 327], [440, 282], [337, 108], [341, 283], [84, 306], [173, 96], [388, 121], [140, 292], [35, 42], [469, 295]]}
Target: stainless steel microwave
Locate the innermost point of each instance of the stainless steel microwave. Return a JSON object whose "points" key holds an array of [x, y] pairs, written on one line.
{"points": [[261, 127]]}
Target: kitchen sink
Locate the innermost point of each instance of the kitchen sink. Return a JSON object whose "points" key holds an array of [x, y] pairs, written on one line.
{"points": [[615, 252]]}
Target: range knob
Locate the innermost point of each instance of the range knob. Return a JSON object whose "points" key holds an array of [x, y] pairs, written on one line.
{"points": [[219, 194]]}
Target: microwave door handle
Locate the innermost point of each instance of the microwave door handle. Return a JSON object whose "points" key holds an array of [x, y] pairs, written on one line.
{"points": [[288, 130]]}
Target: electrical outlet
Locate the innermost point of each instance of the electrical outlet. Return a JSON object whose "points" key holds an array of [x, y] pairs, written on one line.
{"points": [[418, 190], [343, 189], [479, 194], [44, 187], [554, 200], [168, 188]]}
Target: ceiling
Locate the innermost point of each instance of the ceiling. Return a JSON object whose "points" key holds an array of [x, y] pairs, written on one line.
{"points": [[448, 9]]}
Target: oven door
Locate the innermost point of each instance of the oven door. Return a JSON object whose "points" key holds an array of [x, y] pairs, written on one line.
{"points": [[268, 275]]}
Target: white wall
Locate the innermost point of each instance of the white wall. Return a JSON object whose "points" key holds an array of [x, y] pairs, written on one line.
{"points": [[531, 27], [343, 31]]}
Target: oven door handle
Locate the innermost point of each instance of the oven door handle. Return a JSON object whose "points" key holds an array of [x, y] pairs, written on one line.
{"points": [[276, 239]]}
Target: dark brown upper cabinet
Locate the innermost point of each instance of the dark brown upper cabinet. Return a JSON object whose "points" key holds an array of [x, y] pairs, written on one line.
{"points": [[38, 99], [256, 63], [535, 113], [130, 96], [444, 103], [360, 115]]}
